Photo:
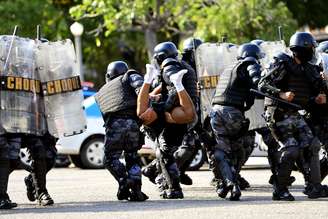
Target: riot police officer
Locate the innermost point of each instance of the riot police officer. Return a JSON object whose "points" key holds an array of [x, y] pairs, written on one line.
{"points": [[49, 142], [188, 52], [20, 116], [117, 100], [191, 142], [178, 91], [318, 116], [294, 79], [232, 98]]}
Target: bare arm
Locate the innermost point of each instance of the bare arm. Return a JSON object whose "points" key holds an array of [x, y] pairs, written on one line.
{"points": [[183, 114], [143, 99]]}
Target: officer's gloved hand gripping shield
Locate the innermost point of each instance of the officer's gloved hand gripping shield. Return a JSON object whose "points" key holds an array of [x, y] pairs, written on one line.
{"points": [[62, 90], [22, 108]]}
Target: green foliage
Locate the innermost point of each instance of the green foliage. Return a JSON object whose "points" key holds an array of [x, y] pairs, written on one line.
{"points": [[28, 14], [244, 20], [309, 12], [209, 19]]}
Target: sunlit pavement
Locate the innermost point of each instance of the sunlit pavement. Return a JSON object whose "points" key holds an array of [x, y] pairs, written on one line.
{"points": [[92, 194]]}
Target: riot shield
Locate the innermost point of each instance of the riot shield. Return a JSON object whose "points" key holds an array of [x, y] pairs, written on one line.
{"points": [[323, 57], [211, 60], [22, 107], [270, 49], [57, 67]]}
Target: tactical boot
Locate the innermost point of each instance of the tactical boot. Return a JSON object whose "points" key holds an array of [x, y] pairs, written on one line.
{"points": [[243, 183], [185, 179], [123, 192], [172, 194], [30, 189], [283, 195], [223, 189], [317, 191], [138, 196], [5, 203], [44, 199], [150, 174], [235, 193]]}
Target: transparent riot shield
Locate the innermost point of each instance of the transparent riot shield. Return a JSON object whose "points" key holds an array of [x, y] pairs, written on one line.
{"points": [[22, 107], [323, 58], [211, 60], [61, 85], [270, 49]]}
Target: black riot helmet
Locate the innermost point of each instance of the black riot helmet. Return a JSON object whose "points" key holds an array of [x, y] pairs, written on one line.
{"points": [[249, 50], [257, 42], [191, 44], [165, 50], [323, 47], [115, 69], [302, 44]]}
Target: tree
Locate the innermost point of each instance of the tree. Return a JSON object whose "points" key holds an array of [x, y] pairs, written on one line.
{"points": [[151, 18], [28, 14], [312, 13], [244, 20], [210, 19]]}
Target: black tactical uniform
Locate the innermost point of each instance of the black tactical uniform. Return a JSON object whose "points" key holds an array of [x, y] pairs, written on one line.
{"points": [[232, 98], [118, 100], [318, 117], [49, 143], [171, 136], [9, 159], [191, 142], [286, 124]]}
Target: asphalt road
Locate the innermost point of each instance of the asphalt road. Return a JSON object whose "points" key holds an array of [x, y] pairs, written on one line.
{"points": [[92, 194]]}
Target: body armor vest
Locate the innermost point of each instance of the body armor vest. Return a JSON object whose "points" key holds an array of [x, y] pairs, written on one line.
{"points": [[295, 80], [231, 89], [117, 96]]}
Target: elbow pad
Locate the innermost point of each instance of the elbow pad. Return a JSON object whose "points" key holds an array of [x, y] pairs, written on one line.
{"points": [[254, 72]]}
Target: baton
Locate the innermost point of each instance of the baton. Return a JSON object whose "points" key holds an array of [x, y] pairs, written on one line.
{"points": [[295, 106]]}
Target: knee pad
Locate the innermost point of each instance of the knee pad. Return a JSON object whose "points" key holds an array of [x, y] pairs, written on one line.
{"points": [[315, 146], [220, 155], [290, 154], [135, 172], [183, 153], [173, 170]]}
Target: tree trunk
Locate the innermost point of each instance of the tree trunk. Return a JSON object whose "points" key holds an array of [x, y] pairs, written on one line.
{"points": [[151, 41]]}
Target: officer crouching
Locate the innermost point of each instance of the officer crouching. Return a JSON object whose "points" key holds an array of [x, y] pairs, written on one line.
{"points": [[117, 100], [232, 98]]}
